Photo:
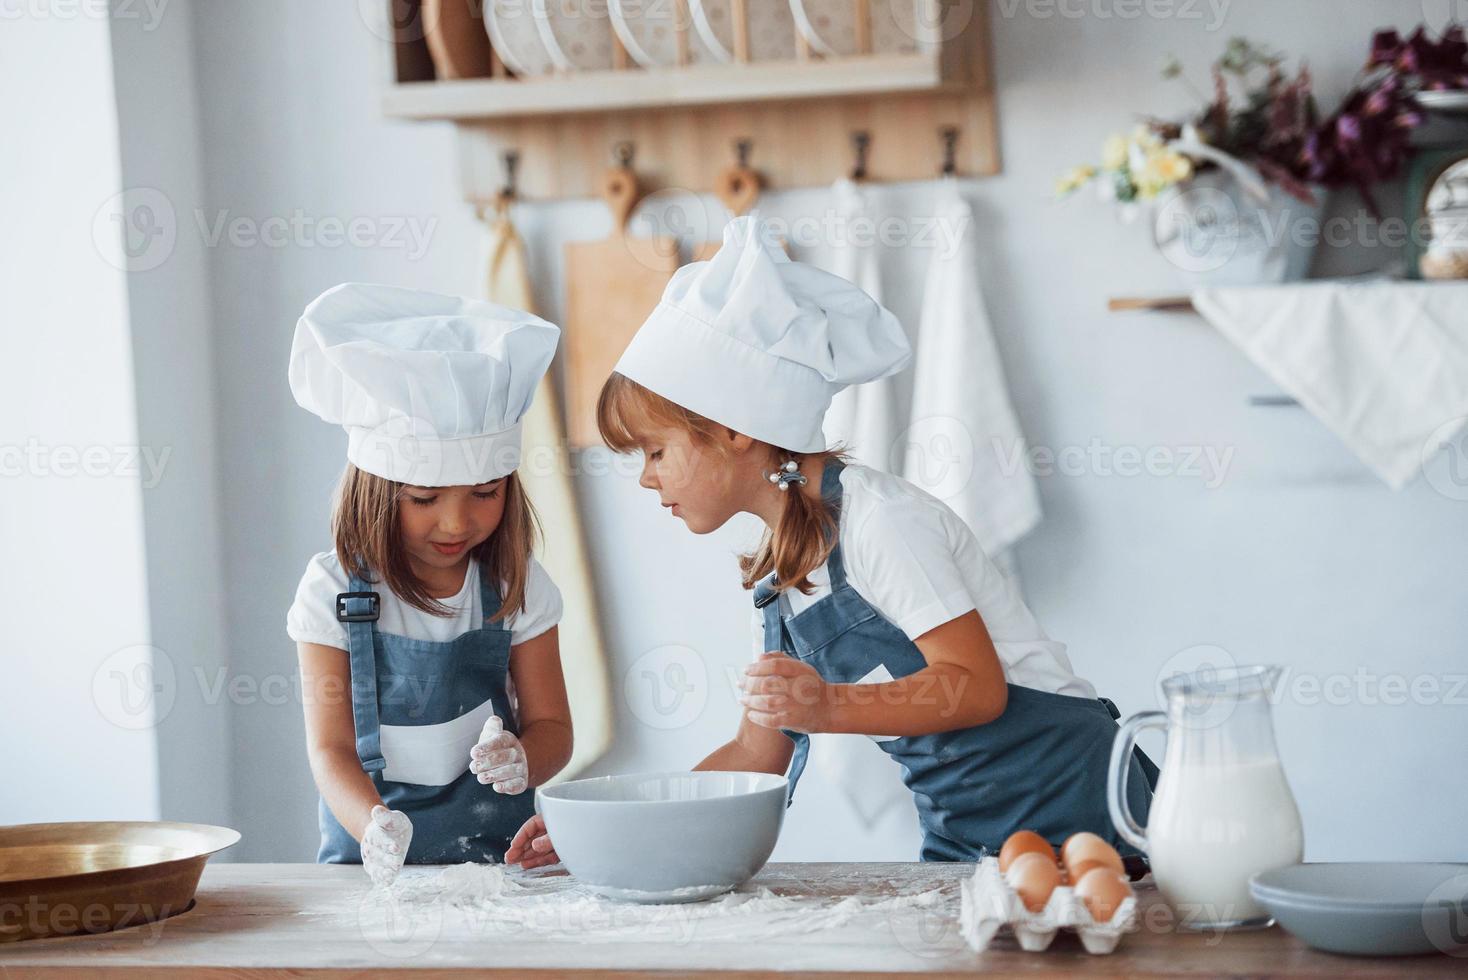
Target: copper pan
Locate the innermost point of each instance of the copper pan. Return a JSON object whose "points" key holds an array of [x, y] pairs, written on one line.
{"points": [[59, 879]]}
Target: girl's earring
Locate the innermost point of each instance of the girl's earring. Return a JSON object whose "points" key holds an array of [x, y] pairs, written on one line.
{"points": [[786, 475]]}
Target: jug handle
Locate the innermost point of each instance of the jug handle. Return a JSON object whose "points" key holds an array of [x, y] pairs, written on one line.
{"points": [[1120, 768]]}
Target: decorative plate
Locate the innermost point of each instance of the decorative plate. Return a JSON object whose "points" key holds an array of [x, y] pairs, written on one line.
{"points": [[830, 25], [516, 39], [576, 33], [649, 32], [771, 29]]}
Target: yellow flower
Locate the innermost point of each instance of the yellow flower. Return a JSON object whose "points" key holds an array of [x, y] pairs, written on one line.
{"points": [[1113, 153], [1163, 169], [1073, 179], [1174, 168], [1144, 137]]}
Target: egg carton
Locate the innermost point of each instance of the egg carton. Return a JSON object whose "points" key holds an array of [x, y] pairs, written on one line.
{"points": [[989, 903]]}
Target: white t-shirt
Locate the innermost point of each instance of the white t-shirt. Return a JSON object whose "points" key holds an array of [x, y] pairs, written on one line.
{"points": [[312, 617], [919, 566]]}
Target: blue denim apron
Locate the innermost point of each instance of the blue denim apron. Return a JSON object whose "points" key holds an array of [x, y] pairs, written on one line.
{"points": [[397, 680], [1040, 766]]}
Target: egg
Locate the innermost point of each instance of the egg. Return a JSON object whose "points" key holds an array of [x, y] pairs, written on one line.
{"points": [[1103, 890], [1024, 842], [1033, 876], [1083, 849]]}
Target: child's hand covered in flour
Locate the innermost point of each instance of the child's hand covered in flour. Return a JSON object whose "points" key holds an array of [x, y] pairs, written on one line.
{"points": [[499, 759], [779, 691], [385, 844]]}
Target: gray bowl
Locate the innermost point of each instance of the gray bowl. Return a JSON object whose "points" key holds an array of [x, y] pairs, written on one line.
{"points": [[665, 837], [1370, 909]]}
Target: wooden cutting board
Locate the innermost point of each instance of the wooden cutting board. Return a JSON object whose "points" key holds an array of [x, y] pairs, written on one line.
{"points": [[611, 287], [456, 38]]}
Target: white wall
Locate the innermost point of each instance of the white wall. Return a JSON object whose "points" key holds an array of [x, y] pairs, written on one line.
{"points": [[1300, 557], [173, 365], [75, 710]]}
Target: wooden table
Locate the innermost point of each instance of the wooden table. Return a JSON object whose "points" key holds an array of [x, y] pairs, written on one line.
{"points": [[278, 920]]}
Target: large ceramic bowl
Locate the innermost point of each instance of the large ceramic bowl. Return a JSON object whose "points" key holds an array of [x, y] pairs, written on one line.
{"points": [[665, 837], [1369, 909]]}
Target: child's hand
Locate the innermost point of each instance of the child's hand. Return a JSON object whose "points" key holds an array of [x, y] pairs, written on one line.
{"points": [[499, 759], [782, 692], [385, 844], [531, 847]]}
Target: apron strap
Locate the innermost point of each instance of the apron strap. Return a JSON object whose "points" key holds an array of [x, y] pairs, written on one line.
{"points": [[831, 491], [359, 609], [778, 638], [489, 594], [766, 591]]}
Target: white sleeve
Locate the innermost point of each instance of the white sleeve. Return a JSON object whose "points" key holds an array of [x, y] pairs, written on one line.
{"points": [[543, 606], [900, 560], [312, 617], [757, 634]]}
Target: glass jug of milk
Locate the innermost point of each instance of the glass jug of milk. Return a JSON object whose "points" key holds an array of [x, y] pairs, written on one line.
{"points": [[1222, 810]]}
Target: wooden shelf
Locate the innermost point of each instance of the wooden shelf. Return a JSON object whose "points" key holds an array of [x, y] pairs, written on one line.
{"points": [[641, 89], [797, 117]]}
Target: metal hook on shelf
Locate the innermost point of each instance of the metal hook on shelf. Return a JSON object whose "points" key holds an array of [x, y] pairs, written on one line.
{"points": [[512, 164], [861, 142], [742, 148], [949, 136], [623, 152]]}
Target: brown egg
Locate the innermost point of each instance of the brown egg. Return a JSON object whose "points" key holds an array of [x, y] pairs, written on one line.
{"points": [[1033, 876], [1077, 871], [1024, 842], [1087, 848], [1103, 890]]}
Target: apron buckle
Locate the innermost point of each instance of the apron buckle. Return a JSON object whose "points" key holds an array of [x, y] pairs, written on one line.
{"points": [[374, 604]]}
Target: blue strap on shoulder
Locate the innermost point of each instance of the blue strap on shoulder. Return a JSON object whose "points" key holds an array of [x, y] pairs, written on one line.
{"points": [[489, 595], [766, 592], [360, 609]]}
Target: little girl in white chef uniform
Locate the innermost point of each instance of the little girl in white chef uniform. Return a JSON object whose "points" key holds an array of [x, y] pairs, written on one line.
{"points": [[427, 636], [876, 611]]}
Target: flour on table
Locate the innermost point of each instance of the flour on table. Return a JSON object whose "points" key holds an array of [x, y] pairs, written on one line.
{"points": [[496, 899]]}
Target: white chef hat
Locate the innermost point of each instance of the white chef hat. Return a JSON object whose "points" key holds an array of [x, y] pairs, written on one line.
{"points": [[430, 388], [759, 343]]}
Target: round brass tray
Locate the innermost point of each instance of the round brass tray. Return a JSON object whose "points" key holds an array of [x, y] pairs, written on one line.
{"points": [[60, 879]]}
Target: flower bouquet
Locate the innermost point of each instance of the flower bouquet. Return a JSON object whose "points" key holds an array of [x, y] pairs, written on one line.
{"points": [[1237, 184]]}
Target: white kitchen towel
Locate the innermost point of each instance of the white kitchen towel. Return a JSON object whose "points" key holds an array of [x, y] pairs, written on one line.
{"points": [[865, 418], [963, 444], [1383, 364]]}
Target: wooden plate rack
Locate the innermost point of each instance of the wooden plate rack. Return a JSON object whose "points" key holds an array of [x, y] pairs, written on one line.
{"points": [[797, 118]]}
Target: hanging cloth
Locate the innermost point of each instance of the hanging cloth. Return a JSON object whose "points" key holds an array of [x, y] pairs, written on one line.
{"points": [[864, 418], [964, 444], [545, 473]]}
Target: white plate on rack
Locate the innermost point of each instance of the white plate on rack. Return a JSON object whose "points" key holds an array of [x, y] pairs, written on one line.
{"points": [[830, 25], [516, 38], [649, 32], [577, 34], [771, 29]]}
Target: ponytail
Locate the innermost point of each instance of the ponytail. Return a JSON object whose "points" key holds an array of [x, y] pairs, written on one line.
{"points": [[806, 533], [802, 540]]}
